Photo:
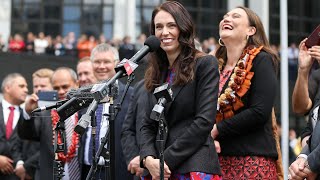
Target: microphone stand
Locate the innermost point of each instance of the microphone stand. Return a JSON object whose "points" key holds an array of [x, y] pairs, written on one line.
{"points": [[93, 137], [158, 115], [110, 134]]}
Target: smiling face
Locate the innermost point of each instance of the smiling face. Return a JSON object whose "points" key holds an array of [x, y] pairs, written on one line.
{"points": [[168, 32], [103, 65], [235, 25]]}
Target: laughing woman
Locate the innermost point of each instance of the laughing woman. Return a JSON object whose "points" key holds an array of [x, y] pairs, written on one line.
{"points": [[247, 92]]}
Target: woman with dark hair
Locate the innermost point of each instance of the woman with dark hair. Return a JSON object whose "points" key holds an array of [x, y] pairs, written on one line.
{"points": [[247, 92], [193, 78]]}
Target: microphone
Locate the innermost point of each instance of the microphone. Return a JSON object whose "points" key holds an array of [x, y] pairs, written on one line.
{"points": [[84, 91], [128, 66], [43, 108], [163, 95], [151, 44]]}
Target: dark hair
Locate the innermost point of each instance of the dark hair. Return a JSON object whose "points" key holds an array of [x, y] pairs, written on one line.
{"points": [[185, 62], [257, 40]]}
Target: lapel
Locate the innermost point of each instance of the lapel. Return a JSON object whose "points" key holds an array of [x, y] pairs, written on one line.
{"points": [[2, 126], [120, 93], [315, 138]]}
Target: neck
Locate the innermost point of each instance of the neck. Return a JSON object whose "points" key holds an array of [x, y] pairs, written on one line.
{"points": [[9, 100], [172, 56], [233, 54]]}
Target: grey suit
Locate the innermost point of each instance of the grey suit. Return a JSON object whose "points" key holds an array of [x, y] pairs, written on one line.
{"points": [[313, 147]]}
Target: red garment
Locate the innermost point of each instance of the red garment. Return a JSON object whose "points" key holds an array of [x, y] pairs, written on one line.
{"points": [[248, 167], [16, 46], [9, 122], [84, 48]]}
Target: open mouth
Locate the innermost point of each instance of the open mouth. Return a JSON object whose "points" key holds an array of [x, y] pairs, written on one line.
{"points": [[227, 27], [167, 40]]}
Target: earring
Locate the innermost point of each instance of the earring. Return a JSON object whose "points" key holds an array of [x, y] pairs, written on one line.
{"points": [[248, 37], [220, 42]]}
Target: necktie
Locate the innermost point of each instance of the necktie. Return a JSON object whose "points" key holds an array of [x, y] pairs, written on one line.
{"points": [[98, 127], [73, 165], [9, 122]]}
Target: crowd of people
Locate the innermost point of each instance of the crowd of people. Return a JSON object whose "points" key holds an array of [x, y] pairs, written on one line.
{"points": [[219, 123]]}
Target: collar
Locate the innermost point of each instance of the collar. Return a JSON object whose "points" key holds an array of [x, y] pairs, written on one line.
{"points": [[6, 105]]}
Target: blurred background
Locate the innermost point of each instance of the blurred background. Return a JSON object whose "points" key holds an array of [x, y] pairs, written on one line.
{"points": [[54, 33]]}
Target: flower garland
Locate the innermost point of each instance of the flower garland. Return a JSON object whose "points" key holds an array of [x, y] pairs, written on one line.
{"points": [[74, 141], [240, 81]]}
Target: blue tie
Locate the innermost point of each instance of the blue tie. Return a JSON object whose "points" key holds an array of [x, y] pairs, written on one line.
{"points": [[98, 127]]}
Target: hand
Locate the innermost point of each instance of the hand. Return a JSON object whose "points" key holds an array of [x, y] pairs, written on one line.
{"points": [[134, 166], [214, 132], [314, 52], [20, 171], [153, 165], [217, 146], [305, 59], [296, 169], [6, 165], [31, 103], [311, 175]]}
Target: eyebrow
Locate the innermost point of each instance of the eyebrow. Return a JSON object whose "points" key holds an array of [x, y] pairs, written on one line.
{"points": [[228, 14]]}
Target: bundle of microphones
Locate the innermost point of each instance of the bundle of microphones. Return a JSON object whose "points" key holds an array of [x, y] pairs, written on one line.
{"points": [[81, 98]]}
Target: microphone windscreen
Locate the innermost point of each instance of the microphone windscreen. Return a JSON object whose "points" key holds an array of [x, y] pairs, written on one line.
{"points": [[153, 42]]}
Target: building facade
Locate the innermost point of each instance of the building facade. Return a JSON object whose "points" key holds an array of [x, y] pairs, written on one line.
{"points": [[117, 18]]}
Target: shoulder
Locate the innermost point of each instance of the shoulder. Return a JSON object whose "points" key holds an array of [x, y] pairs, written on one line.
{"points": [[263, 59]]}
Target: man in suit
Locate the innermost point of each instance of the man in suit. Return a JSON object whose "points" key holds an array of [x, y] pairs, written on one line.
{"points": [[14, 88], [131, 136], [40, 126], [104, 59], [41, 81], [305, 99]]}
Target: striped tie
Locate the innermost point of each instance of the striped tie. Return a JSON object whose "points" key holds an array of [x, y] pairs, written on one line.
{"points": [[98, 127], [73, 165]]}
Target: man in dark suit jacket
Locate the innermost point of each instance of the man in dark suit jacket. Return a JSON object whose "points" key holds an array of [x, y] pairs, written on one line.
{"points": [[39, 126], [14, 88], [305, 99], [104, 59], [308, 162], [131, 136]]}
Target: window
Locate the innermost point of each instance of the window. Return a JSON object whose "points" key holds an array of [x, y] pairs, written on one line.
{"points": [[62, 16]]}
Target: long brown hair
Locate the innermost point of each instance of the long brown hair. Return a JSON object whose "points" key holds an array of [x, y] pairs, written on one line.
{"points": [[258, 39], [185, 62]]}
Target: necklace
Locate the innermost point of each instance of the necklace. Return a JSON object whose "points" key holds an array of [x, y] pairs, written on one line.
{"points": [[239, 84], [74, 140]]}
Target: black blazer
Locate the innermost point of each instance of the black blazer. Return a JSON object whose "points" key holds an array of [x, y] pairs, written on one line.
{"points": [[130, 135], [189, 118], [121, 171], [249, 131], [39, 128], [12, 148]]}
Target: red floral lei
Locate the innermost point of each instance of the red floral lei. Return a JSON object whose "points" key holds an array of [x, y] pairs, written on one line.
{"points": [[240, 81], [74, 141]]}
